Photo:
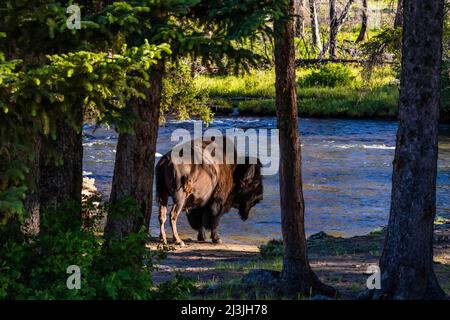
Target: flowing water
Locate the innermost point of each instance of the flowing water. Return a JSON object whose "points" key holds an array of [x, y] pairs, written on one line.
{"points": [[347, 167]]}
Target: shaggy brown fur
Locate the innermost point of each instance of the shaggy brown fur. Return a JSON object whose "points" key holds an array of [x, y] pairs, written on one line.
{"points": [[206, 191]]}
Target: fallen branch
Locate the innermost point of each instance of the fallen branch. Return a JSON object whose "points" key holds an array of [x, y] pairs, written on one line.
{"points": [[302, 62]]}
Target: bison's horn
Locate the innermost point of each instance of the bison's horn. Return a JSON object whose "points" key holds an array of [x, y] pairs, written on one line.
{"points": [[250, 172]]}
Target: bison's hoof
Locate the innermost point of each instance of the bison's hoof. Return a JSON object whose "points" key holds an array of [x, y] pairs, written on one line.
{"points": [[163, 240], [181, 244], [217, 241]]}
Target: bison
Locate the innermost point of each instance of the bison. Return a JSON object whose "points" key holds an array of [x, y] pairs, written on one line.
{"points": [[206, 191]]}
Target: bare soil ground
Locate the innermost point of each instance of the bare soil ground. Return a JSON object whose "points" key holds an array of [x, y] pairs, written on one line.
{"points": [[340, 262], [203, 261]]}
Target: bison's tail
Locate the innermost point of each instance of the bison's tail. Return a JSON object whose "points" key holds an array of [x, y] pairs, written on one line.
{"points": [[159, 179]]}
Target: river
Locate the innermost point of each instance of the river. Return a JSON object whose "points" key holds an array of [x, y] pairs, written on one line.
{"points": [[347, 167]]}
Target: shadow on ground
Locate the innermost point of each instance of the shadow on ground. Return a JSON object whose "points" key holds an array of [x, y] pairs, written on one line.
{"points": [[340, 262]]}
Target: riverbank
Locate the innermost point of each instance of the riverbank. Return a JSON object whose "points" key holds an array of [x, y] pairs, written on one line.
{"points": [[344, 103], [332, 91], [322, 92], [217, 270]]}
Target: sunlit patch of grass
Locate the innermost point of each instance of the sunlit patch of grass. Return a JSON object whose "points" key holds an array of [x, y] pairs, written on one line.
{"points": [[272, 264], [233, 288], [254, 94], [258, 84], [440, 220], [377, 231]]}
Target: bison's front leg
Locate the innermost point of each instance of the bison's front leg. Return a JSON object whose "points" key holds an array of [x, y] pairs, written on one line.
{"points": [[216, 214], [201, 234]]}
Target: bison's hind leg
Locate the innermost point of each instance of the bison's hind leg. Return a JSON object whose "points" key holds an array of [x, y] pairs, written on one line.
{"points": [[163, 198], [174, 213]]}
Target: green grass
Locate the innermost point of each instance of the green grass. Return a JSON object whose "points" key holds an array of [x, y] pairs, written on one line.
{"points": [[233, 289], [254, 94], [258, 84], [271, 259]]}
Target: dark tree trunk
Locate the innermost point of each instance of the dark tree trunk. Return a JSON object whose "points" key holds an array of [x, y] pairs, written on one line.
{"points": [[296, 273], [333, 29], [316, 42], [300, 19], [407, 260], [31, 225], [336, 24], [364, 20], [398, 21], [135, 159], [60, 183]]}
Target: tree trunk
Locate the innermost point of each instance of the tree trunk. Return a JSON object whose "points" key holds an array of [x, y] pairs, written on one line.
{"points": [[296, 273], [60, 184], [31, 225], [135, 160], [407, 260], [364, 20], [300, 19], [398, 20], [336, 24], [333, 29], [316, 42]]}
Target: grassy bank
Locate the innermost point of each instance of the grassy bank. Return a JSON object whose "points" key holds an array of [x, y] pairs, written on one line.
{"points": [[345, 93], [340, 262], [227, 270], [346, 260]]}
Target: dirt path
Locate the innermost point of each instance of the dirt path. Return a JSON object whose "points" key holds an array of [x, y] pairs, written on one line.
{"points": [[203, 261], [206, 262], [341, 262]]}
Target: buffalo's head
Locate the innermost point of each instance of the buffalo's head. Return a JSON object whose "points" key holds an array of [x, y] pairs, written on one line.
{"points": [[248, 188]]}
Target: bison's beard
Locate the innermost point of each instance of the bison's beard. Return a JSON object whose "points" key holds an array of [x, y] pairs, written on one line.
{"points": [[195, 218], [202, 217]]}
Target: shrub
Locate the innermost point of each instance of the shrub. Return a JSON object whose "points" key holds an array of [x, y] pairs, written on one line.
{"points": [[178, 288], [180, 97], [257, 84], [387, 42], [35, 268], [257, 106], [272, 249], [329, 75]]}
